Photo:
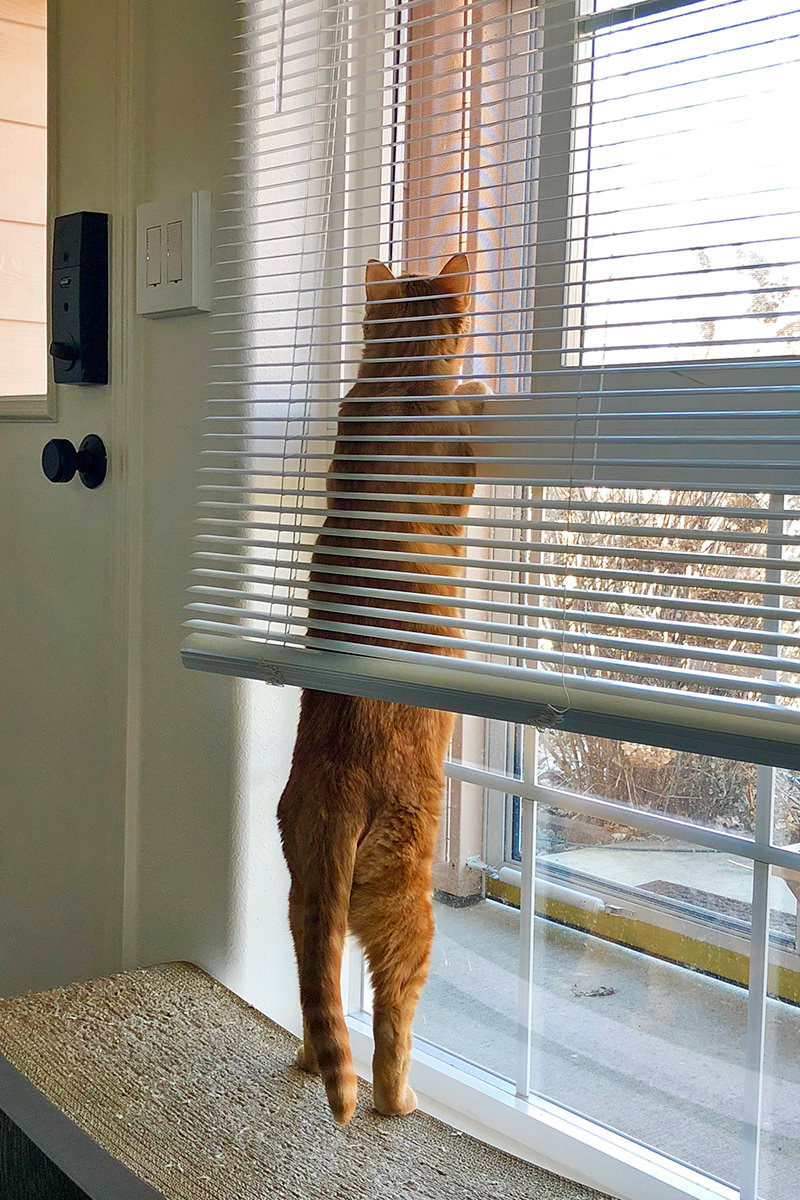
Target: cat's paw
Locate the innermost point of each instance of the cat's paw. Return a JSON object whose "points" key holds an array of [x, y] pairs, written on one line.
{"points": [[306, 1060], [472, 395], [393, 1107], [473, 387]]}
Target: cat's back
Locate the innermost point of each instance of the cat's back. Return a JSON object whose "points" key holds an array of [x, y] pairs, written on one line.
{"points": [[360, 753], [345, 730]]}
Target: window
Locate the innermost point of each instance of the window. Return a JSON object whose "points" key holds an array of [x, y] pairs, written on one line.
{"points": [[469, 125], [616, 976], [679, 261], [23, 205]]}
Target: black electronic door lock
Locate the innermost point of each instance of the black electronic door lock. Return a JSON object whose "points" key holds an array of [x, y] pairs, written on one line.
{"points": [[79, 298]]}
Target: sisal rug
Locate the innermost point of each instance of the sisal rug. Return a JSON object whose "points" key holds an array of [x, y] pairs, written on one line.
{"points": [[194, 1092]]}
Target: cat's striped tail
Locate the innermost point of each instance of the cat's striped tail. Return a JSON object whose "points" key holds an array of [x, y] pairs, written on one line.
{"points": [[326, 903]]}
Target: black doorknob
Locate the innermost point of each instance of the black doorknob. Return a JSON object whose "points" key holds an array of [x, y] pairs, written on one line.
{"points": [[60, 461]]}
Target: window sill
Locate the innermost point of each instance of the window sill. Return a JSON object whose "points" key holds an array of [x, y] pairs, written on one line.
{"points": [[484, 1106]]}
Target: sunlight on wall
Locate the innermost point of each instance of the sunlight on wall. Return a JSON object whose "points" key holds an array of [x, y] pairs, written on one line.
{"points": [[23, 197]]}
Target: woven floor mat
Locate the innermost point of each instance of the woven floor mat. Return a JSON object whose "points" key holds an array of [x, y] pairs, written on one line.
{"points": [[195, 1093]]}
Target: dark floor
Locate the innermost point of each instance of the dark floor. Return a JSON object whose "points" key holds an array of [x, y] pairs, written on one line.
{"points": [[26, 1174]]}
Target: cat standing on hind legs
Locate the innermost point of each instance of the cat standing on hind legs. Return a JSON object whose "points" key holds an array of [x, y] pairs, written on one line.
{"points": [[360, 812]]}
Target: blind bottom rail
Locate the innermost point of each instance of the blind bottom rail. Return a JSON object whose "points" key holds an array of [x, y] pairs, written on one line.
{"points": [[740, 730]]}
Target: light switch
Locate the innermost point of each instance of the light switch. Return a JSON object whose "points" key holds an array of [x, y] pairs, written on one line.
{"points": [[174, 251], [173, 256], [153, 251]]}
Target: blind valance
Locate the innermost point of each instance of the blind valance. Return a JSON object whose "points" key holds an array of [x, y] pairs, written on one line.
{"points": [[618, 178]]}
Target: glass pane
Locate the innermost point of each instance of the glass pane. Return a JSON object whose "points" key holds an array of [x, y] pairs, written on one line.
{"points": [[787, 808], [469, 1005], [780, 1113], [706, 791], [23, 197], [687, 257], [641, 955]]}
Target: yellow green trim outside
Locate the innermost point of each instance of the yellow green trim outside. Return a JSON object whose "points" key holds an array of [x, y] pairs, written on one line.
{"points": [[663, 943]]}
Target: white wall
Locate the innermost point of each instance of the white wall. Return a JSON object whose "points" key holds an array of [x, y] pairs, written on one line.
{"points": [[61, 671], [137, 803]]}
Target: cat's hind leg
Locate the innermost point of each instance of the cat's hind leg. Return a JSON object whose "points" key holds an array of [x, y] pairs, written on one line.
{"points": [[394, 922]]}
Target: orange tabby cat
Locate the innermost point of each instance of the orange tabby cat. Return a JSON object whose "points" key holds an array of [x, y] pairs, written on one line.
{"points": [[360, 813]]}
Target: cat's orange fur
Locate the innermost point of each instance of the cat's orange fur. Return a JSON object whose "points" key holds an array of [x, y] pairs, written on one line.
{"points": [[360, 812]]}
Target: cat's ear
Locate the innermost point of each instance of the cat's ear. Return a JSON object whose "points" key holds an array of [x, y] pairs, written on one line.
{"points": [[454, 279], [379, 281]]}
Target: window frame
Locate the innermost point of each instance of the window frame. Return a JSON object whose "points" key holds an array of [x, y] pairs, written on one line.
{"points": [[43, 406]]}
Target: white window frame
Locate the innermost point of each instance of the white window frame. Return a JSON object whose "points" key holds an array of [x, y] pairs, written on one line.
{"points": [[43, 407]]}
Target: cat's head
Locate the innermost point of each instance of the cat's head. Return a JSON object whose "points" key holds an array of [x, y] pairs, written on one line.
{"points": [[411, 307]]}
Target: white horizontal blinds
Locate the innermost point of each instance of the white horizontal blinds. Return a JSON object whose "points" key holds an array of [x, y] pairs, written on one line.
{"points": [[630, 558]]}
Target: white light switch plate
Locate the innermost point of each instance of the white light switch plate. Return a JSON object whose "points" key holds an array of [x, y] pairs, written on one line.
{"points": [[173, 256]]}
